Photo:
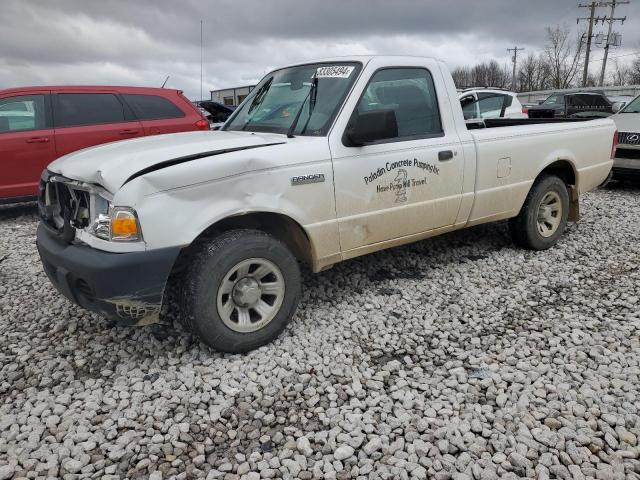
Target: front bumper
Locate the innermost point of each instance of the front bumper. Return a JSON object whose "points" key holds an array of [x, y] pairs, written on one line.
{"points": [[127, 287], [627, 168]]}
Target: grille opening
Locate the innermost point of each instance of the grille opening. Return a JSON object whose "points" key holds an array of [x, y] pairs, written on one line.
{"points": [[630, 153]]}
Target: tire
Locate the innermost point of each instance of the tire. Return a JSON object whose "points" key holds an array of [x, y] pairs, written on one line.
{"points": [[229, 301], [526, 230]]}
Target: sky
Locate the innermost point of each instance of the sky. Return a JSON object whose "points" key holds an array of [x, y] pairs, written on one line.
{"points": [[141, 42]]}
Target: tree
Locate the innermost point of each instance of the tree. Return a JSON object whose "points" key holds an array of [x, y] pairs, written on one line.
{"points": [[562, 56], [533, 74], [634, 72], [620, 74], [485, 74], [462, 76]]}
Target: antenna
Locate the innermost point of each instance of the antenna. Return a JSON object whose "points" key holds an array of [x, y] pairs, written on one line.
{"points": [[165, 81], [201, 59]]}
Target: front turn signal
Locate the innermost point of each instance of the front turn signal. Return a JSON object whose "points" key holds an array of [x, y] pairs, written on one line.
{"points": [[124, 225]]}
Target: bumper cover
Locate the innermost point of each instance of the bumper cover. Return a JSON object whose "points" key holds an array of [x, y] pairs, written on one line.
{"points": [[127, 287]]}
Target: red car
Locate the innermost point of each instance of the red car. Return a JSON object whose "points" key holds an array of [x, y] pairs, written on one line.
{"points": [[40, 124]]}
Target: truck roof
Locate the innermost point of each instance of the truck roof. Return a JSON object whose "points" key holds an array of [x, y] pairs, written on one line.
{"points": [[364, 59]]}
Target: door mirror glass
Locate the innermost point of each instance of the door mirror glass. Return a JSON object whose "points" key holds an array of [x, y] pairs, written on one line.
{"points": [[368, 127]]}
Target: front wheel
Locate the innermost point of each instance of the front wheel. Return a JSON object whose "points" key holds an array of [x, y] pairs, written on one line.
{"points": [[241, 290], [543, 217]]}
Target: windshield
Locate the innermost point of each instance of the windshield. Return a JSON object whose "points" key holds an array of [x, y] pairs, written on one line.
{"points": [[309, 95], [632, 107], [553, 100]]}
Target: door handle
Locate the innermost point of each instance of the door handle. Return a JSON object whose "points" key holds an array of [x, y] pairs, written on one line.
{"points": [[37, 140], [445, 155], [129, 131]]}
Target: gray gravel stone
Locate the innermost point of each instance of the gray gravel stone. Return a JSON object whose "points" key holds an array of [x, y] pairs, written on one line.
{"points": [[343, 452], [457, 357]]}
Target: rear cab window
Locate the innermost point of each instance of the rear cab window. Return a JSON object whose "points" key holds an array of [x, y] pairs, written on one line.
{"points": [[23, 113], [152, 107], [81, 109]]}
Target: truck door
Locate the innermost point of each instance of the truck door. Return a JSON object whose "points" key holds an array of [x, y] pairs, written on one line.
{"points": [[27, 143], [405, 185]]}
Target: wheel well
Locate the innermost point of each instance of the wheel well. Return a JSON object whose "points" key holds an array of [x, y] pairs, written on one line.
{"points": [[564, 170], [284, 228]]}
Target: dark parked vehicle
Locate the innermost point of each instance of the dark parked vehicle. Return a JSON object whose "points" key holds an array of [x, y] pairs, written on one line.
{"points": [[573, 105], [40, 124], [215, 112]]}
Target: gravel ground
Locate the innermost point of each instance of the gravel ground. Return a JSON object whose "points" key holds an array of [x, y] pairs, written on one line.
{"points": [[460, 357]]}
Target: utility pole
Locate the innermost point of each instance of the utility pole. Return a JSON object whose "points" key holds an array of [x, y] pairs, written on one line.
{"points": [[611, 19], [201, 60], [515, 61], [590, 19]]}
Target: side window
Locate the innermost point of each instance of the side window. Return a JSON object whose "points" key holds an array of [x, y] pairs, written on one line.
{"points": [[152, 107], [78, 109], [22, 113], [410, 93], [491, 104], [469, 106]]}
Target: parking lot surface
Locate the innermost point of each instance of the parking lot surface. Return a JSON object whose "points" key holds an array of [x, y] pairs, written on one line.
{"points": [[460, 357]]}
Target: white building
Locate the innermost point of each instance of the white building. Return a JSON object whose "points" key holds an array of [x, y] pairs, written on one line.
{"points": [[231, 96]]}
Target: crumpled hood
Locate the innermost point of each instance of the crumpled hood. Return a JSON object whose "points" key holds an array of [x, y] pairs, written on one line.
{"points": [[112, 164]]}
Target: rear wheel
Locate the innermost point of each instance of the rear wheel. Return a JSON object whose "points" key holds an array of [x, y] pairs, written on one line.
{"points": [[241, 290], [543, 217]]}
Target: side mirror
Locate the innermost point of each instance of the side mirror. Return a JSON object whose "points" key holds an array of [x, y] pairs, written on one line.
{"points": [[368, 127], [616, 107]]}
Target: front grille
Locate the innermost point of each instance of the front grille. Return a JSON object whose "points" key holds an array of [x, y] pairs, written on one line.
{"points": [[61, 207], [629, 138], [631, 153]]}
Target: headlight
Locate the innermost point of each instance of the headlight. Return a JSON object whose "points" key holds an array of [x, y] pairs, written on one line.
{"points": [[117, 224]]}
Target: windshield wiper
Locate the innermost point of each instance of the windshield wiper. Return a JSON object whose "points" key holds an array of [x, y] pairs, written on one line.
{"points": [[292, 128], [312, 103], [257, 100]]}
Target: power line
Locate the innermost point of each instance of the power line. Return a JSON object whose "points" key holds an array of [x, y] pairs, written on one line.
{"points": [[611, 19], [515, 50]]}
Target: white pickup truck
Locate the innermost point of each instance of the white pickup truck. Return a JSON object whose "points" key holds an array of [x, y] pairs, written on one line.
{"points": [[323, 162]]}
